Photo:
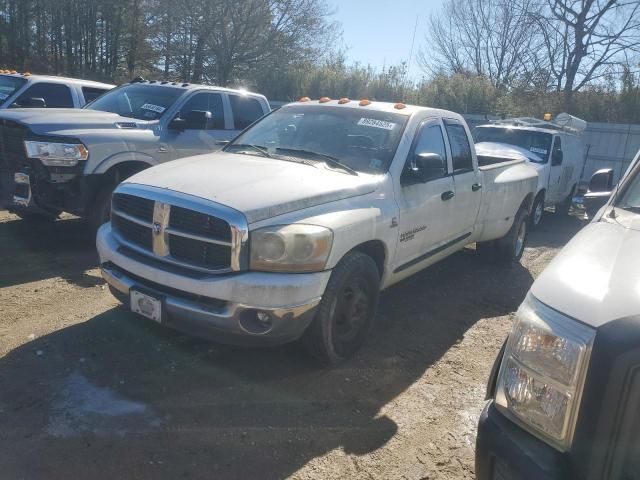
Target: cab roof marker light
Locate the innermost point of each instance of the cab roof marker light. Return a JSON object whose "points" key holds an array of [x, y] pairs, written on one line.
{"points": [[399, 106], [365, 102], [343, 100], [324, 100], [304, 99]]}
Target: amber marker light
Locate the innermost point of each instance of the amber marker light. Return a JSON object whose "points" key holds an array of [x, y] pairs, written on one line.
{"points": [[324, 100], [365, 102], [304, 99]]}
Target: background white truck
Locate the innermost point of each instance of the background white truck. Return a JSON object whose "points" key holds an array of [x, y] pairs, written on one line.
{"points": [[555, 149], [71, 160], [293, 229]]}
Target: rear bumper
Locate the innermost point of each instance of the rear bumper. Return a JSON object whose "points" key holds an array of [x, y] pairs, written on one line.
{"points": [[223, 308], [505, 451]]}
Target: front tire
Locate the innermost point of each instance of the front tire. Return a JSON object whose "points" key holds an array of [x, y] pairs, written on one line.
{"points": [[509, 249], [40, 216], [537, 211], [346, 311], [101, 209]]}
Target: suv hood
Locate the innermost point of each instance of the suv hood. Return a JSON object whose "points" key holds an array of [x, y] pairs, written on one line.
{"points": [[596, 277], [58, 120], [258, 187]]}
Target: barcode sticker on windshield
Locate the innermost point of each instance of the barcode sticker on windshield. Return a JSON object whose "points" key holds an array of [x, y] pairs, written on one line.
{"points": [[3, 96], [372, 122], [538, 150], [153, 108]]}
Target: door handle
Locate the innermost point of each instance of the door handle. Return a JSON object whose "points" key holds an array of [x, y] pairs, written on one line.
{"points": [[448, 195], [476, 186]]}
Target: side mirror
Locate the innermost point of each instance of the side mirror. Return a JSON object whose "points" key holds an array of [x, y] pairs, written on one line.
{"points": [[33, 102], [556, 158], [601, 181], [197, 119], [428, 166]]}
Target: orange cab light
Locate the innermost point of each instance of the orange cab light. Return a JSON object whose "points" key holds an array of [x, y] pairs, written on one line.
{"points": [[324, 100], [343, 100], [304, 99], [399, 106], [13, 71], [365, 102], [26, 74], [547, 117]]}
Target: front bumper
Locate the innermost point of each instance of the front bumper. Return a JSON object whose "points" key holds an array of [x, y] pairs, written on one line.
{"points": [[217, 307], [505, 451]]}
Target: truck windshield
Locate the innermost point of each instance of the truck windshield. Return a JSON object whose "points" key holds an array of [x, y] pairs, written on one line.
{"points": [[141, 101], [360, 139], [9, 85], [630, 198], [536, 142]]}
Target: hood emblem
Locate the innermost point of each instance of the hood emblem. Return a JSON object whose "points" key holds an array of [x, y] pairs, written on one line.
{"points": [[157, 228]]}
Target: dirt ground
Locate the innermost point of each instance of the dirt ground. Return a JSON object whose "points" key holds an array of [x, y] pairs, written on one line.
{"points": [[89, 391]]}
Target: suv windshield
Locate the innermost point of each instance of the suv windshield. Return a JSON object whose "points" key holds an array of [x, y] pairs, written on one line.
{"points": [[9, 85], [536, 142], [144, 102], [359, 139]]}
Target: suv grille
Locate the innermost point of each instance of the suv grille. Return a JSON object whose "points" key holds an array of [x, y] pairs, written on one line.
{"points": [[187, 237]]}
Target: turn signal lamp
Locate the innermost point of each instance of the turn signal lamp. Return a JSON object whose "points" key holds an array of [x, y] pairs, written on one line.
{"points": [[304, 99], [365, 102], [343, 100], [547, 117], [324, 100], [399, 106]]}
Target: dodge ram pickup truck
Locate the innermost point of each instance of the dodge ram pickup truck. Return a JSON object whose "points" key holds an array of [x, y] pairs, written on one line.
{"points": [[71, 160], [291, 230], [564, 392]]}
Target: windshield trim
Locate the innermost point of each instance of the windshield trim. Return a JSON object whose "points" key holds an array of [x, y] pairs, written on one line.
{"points": [[626, 182]]}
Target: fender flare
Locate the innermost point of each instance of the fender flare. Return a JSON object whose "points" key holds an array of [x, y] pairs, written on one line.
{"points": [[119, 158]]}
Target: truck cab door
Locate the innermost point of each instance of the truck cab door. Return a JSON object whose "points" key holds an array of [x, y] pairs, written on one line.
{"points": [[467, 180], [557, 166], [424, 204], [186, 137]]}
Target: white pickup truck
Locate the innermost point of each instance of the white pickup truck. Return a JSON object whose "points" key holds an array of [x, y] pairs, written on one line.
{"points": [[293, 229]]}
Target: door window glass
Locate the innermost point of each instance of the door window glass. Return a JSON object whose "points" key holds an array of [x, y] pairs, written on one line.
{"points": [[91, 93], [246, 110], [206, 102], [460, 148], [55, 95], [430, 140]]}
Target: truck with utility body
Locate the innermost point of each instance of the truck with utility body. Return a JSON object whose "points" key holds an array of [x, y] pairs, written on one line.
{"points": [[291, 231], [564, 391], [555, 148], [72, 159]]}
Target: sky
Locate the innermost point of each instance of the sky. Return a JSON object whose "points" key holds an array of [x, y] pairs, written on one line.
{"points": [[380, 32]]}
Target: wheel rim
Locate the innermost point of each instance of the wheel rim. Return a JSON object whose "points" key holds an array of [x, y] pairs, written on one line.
{"points": [[537, 214], [520, 239], [351, 314]]}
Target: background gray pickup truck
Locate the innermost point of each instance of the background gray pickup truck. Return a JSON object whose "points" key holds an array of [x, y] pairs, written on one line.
{"points": [[71, 160]]}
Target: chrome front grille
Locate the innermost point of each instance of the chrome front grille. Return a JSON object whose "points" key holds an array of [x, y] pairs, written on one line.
{"points": [[179, 229]]}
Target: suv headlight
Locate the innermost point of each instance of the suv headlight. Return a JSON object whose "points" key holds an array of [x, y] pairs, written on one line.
{"points": [[543, 370], [290, 248], [54, 154]]}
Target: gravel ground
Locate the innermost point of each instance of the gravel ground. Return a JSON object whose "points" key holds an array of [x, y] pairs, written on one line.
{"points": [[89, 391]]}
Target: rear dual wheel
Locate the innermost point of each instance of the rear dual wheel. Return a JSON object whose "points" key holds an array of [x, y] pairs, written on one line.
{"points": [[510, 248]]}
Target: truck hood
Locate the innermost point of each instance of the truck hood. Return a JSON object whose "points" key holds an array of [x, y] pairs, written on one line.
{"points": [[58, 120], [260, 188], [596, 277]]}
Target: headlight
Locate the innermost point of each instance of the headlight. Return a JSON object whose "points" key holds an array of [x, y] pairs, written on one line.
{"points": [[54, 154], [542, 373], [290, 248]]}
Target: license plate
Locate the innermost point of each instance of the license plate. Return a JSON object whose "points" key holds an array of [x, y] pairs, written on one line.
{"points": [[146, 305]]}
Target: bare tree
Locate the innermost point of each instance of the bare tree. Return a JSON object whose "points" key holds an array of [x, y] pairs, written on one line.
{"points": [[492, 38], [584, 39]]}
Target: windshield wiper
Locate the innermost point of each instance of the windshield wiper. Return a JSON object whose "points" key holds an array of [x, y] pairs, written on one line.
{"points": [[256, 148], [631, 208], [328, 158]]}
